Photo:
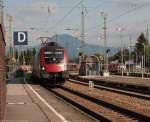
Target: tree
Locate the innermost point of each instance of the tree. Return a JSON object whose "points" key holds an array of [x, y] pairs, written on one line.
{"points": [[142, 48], [126, 55], [116, 56], [28, 56], [16, 54], [140, 43], [33, 51], [21, 58], [119, 54]]}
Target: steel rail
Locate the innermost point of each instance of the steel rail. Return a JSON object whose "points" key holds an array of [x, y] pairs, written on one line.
{"points": [[124, 111]]}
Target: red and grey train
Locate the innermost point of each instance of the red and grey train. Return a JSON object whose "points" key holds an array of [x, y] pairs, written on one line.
{"points": [[50, 64]]}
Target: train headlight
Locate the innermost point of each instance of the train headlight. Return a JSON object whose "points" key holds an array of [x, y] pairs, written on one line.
{"points": [[43, 68]]}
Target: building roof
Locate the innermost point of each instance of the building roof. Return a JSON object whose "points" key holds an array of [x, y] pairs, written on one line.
{"points": [[90, 59]]}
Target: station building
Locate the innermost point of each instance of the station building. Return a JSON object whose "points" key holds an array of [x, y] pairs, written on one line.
{"points": [[2, 69]]}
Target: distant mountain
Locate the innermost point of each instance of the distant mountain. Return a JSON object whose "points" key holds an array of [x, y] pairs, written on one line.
{"points": [[73, 44]]}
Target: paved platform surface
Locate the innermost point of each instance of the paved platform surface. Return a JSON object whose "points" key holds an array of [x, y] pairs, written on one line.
{"points": [[20, 106], [24, 106], [120, 79]]}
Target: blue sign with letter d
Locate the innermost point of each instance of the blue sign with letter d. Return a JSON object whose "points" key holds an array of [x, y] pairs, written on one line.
{"points": [[20, 38]]}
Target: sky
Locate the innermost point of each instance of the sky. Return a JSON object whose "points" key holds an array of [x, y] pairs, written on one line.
{"points": [[50, 17]]}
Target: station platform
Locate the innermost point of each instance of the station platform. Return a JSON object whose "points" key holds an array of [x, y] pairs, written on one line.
{"points": [[116, 78], [30, 102], [20, 106], [117, 81], [121, 79]]}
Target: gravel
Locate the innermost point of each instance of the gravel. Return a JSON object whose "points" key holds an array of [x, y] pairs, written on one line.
{"points": [[132, 103], [110, 114]]}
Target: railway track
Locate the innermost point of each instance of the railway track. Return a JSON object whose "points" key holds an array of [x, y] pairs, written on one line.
{"points": [[76, 101], [126, 101], [91, 107], [97, 108], [60, 93], [125, 92]]}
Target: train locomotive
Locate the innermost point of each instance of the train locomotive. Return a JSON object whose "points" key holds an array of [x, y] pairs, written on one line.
{"points": [[50, 64]]}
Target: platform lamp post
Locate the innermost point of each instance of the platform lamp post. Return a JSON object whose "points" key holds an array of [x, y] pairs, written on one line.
{"points": [[78, 50], [136, 56], [104, 16], [143, 60], [101, 38], [121, 30], [129, 58], [142, 66], [107, 62]]}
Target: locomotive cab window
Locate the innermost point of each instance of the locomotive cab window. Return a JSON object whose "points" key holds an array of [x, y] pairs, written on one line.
{"points": [[53, 56]]}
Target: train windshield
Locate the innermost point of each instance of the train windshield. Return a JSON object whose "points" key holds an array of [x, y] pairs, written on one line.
{"points": [[54, 56]]}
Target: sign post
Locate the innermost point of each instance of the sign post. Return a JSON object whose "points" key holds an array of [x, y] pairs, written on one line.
{"points": [[91, 85], [20, 39]]}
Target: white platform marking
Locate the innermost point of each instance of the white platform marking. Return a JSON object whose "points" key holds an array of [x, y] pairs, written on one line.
{"points": [[44, 101]]}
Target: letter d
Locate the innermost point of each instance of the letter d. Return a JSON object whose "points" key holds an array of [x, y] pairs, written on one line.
{"points": [[19, 37]]}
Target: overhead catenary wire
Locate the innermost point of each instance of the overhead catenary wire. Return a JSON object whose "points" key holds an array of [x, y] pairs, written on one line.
{"points": [[122, 14], [45, 7], [115, 2], [76, 6], [109, 20], [68, 13]]}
